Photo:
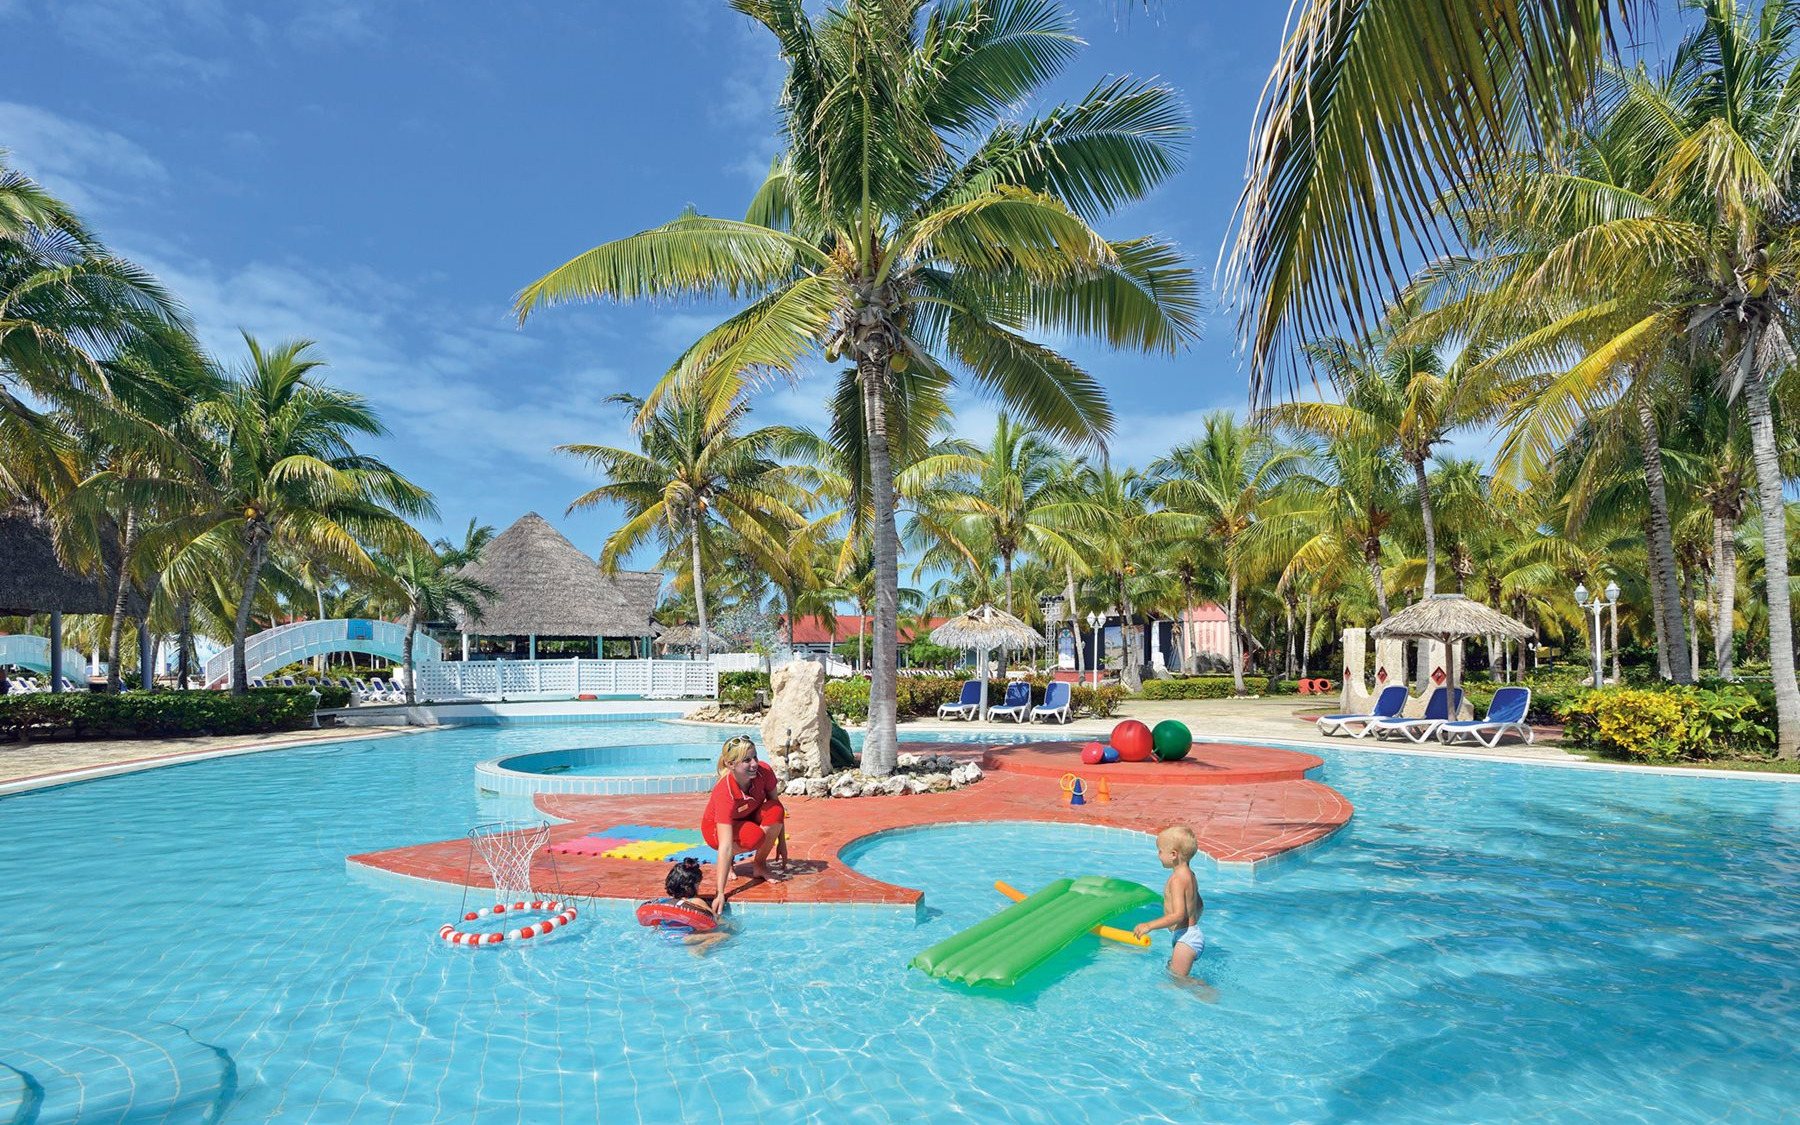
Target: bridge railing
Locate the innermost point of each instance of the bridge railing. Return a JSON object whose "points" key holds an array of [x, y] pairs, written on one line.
{"points": [[284, 644], [524, 679], [26, 651]]}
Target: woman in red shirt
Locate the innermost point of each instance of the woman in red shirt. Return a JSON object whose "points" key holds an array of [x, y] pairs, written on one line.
{"points": [[743, 813]]}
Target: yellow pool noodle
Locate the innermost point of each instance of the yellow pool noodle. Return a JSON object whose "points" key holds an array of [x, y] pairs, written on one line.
{"points": [[1124, 937]]}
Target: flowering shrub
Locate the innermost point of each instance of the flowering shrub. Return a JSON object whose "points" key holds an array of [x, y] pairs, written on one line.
{"points": [[1668, 724]]}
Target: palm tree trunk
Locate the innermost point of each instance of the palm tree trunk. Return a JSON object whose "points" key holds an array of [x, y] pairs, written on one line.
{"points": [[1776, 577], [1074, 620], [1430, 524], [1657, 618], [121, 591], [1661, 544], [1289, 606], [1006, 564], [700, 594], [1724, 588], [1232, 644], [406, 651], [880, 747], [1187, 607], [1374, 560], [184, 630], [1306, 640], [240, 630]]}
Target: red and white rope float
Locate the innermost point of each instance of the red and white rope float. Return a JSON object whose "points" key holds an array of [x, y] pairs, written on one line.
{"points": [[559, 916]]}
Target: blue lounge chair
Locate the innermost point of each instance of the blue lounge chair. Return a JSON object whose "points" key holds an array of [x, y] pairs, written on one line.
{"points": [[1388, 705], [967, 705], [1056, 703], [1505, 715], [1016, 704], [1438, 710]]}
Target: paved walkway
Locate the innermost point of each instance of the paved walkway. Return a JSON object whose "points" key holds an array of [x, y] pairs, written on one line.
{"points": [[37, 765]]}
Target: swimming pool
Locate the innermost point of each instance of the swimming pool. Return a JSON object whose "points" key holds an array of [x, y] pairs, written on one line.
{"points": [[1485, 942]]}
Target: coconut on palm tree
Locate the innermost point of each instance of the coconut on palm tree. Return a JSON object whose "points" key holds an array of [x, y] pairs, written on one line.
{"points": [[914, 221]]}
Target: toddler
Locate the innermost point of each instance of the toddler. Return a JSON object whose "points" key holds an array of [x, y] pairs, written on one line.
{"points": [[1182, 907], [683, 886]]}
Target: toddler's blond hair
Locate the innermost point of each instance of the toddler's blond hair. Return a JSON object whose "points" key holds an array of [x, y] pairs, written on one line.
{"points": [[1181, 838]]}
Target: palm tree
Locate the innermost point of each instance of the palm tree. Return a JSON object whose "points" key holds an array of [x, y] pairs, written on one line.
{"points": [[1400, 394], [694, 472], [475, 539], [282, 473], [1373, 109], [427, 590], [1217, 486], [913, 222]]}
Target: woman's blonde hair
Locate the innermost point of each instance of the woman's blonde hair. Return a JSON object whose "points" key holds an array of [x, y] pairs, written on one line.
{"points": [[736, 749], [1181, 838]]}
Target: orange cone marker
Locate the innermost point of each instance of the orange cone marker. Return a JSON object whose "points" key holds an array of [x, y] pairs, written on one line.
{"points": [[1104, 796]]}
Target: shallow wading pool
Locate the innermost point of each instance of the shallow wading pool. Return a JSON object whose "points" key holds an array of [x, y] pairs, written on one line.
{"points": [[1485, 942]]}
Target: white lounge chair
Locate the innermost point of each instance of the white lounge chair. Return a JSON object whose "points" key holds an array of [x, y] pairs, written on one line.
{"points": [[1016, 703], [967, 706], [1055, 704], [1505, 715], [1388, 705], [1438, 710]]}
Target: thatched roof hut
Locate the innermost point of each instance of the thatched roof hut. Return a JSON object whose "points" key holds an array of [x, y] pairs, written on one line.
{"points": [[545, 586], [34, 580]]}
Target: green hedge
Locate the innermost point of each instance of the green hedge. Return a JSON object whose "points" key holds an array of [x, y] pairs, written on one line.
{"points": [[163, 714], [738, 689], [1197, 687], [1668, 723], [921, 696]]}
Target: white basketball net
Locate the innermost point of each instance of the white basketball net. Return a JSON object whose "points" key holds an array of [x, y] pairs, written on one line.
{"points": [[507, 847]]}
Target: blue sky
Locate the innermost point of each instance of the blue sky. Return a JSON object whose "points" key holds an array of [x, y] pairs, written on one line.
{"points": [[382, 178]]}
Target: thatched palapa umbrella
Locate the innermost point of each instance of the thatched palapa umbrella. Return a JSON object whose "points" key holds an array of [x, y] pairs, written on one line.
{"points": [[986, 628], [1450, 618], [687, 635]]}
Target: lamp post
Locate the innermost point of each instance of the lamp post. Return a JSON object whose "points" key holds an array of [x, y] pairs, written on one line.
{"points": [[1093, 620], [1596, 604]]}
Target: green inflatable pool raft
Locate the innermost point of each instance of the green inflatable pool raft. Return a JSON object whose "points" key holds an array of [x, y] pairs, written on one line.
{"points": [[1004, 948]]}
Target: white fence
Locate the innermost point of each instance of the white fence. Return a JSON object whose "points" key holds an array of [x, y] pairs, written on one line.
{"points": [[754, 662], [524, 679], [284, 644]]}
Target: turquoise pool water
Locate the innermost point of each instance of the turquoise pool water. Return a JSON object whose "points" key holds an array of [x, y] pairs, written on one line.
{"points": [[646, 760], [1487, 942]]}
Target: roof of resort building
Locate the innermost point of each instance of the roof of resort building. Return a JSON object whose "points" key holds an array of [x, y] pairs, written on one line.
{"points": [[34, 580], [546, 586], [811, 629]]}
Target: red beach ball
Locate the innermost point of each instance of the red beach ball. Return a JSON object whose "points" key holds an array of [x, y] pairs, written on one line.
{"points": [[1133, 741], [1092, 753]]}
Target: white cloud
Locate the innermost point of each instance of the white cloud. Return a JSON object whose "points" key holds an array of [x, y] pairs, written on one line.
{"points": [[84, 166]]}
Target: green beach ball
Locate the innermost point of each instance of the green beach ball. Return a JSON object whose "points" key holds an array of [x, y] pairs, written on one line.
{"points": [[1172, 740]]}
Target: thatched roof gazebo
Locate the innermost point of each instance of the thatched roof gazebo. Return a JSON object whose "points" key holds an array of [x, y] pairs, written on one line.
{"points": [[545, 586], [986, 628], [1449, 618], [33, 579]]}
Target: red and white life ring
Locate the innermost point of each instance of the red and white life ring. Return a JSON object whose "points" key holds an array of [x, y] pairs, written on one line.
{"points": [[673, 914], [559, 916]]}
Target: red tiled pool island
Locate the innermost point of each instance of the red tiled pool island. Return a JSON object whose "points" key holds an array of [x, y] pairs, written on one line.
{"points": [[1246, 804]]}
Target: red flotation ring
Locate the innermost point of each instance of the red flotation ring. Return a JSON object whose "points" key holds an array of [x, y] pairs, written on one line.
{"points": [[559, 916], [675, 914]]}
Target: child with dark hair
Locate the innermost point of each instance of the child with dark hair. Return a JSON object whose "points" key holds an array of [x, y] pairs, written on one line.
{"points": [[683, 886]]}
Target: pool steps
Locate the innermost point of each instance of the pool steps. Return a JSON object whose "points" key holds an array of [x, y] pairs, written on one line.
{"points": [[75, 1072]]}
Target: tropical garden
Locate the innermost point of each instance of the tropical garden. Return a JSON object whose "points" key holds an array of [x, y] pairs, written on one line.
{"points": [[1543, 285]]}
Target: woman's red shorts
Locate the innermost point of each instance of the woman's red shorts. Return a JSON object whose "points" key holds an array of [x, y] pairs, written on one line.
{"points": [[749, 832]]}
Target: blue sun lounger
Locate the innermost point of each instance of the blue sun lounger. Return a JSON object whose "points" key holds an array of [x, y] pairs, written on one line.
{"points": [[1505, 715], [1017, 703], [1388, 705], [967, 705], [1438, 709]]}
